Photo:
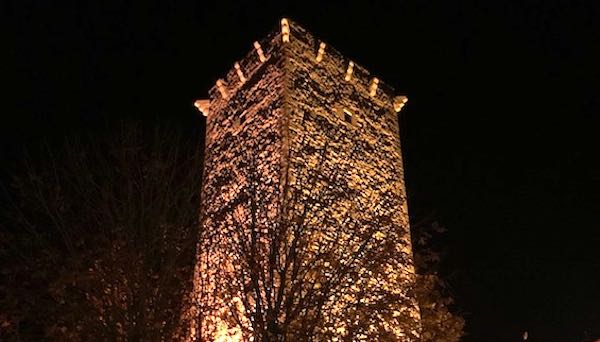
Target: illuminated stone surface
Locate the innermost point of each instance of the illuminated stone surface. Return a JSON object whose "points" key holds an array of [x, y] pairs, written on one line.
{"points": [[303, 154]]}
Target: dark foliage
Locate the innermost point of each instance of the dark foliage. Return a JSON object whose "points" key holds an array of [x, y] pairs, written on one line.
{"points": [[98, 238], [98, 242], [439, 320]]}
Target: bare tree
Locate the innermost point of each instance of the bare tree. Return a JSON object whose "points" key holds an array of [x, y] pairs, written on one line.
{"points": [[98, 241], [312, 274], [100, 238]]}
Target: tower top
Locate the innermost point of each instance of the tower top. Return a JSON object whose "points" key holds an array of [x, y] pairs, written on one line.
{"points": [[323, 53]]}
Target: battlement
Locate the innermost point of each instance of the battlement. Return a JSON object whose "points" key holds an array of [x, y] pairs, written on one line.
{"points": [[303, 162], [246, 67], [289, 32]]}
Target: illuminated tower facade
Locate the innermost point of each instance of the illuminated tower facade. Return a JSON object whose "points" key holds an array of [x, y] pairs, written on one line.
{"points": [[305, 232]]}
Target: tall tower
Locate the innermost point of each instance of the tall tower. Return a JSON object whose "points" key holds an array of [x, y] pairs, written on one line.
{"points": [[305, 232]]}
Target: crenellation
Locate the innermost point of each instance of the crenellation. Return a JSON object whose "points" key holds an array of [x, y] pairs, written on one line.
{"points": [[352, 72], [349, 71], [321, 52], [259, 52], [291, 121], [373, 86], [203, 106], [399, 102], [362, 78], [239, 72], [285, 31], [248, 65], [222, 89]]}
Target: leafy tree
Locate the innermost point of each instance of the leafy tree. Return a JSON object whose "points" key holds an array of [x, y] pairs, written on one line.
{"points": [[439, 322], [98, 239]]}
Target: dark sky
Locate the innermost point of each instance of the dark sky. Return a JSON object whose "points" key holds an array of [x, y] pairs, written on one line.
{"points": [[500, 133]]}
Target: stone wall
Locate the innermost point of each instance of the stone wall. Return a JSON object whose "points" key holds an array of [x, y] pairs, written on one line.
{"points": [[242, 172], [297, 143], [352, 174]]}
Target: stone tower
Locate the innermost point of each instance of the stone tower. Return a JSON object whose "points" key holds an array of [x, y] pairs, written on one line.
{"points": [[305, 232]]}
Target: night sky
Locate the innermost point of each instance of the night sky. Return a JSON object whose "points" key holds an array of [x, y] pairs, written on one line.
{"points": [[500, 134]]}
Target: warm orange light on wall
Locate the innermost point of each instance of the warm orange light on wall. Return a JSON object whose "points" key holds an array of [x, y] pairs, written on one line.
{"points": [[373, 87], [321, 52], [203, 106], [285, 30], [277, 160], [399, 102], [349, 71], [222, 89], [239, 72], [259, 51]]}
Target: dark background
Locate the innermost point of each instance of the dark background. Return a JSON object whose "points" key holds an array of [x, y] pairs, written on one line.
{"points": [[500, 132]]}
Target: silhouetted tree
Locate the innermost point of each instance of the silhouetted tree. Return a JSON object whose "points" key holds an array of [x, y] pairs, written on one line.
{"points": [[315, 272], [98, 241], [439, 322]]}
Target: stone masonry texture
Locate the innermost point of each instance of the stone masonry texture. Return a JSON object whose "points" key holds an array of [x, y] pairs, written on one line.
{"points": [[301, 154]]}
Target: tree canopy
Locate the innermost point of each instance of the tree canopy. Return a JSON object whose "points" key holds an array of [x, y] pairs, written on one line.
{"points": [[98, 239], [98, 242]]}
